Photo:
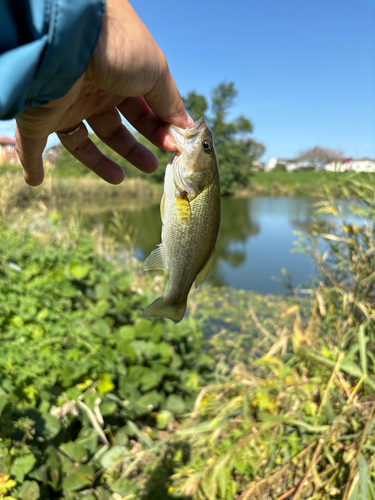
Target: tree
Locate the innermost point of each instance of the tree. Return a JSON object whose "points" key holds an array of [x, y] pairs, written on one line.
{"points": [[235, 150], [319, 157], [195, 104]]}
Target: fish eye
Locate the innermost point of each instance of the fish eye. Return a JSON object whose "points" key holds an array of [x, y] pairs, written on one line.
{"points": [[207, 146]]}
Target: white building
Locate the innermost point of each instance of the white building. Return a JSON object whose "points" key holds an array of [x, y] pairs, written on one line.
{"points": [[271, 164], [364, 165]]}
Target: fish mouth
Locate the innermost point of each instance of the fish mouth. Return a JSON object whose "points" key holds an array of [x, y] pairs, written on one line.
{"points": [[184, 136]]}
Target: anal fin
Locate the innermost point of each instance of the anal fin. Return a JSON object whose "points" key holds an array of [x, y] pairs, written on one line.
{"points": [[155, 260], [203, 273]]}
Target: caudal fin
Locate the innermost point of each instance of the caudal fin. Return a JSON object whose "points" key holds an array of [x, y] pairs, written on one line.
{"points": [[163, 307]]}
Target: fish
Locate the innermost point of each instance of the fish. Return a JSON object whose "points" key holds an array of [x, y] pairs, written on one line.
{"points": [[190, 212]]}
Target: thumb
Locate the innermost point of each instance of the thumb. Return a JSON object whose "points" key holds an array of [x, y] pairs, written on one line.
{"points": [[30, 154]]}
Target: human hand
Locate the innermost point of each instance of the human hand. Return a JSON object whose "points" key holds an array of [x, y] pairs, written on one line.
{"points": [[128, 74]]}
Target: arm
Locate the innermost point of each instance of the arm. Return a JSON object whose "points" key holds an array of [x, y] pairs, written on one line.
{"points": [[127, 75], [45, 47]]}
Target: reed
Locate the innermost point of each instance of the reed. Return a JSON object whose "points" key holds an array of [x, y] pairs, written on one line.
{"points": [[14, 193]]}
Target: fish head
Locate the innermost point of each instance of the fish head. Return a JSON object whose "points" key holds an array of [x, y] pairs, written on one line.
{"points": [[195, 162]]}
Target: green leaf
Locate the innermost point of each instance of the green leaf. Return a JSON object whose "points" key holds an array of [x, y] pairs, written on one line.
{"points": [[151, 401], [126, 333], [102, 291], [75, 450], [3, 399], [31, 269], [363, 476], [151, 379], [143, 329], [22, 465], [135, 373], [88, 438], [28, 491], [163, 419], [40, 474], [107, 408], [101, 328], [175, 404], [362, 341], [112, 456], [78, 271], [81, 476], [105, 384]]}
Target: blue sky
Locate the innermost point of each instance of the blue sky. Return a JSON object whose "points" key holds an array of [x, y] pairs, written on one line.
{"points": [[304, 70]]}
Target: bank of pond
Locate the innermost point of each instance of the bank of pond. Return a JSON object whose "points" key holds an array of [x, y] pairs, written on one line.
{"points": [[86, 186], [251, 396]]}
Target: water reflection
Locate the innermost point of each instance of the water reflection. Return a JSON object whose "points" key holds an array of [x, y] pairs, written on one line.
{"points": [[254, 242], [236, 228]]}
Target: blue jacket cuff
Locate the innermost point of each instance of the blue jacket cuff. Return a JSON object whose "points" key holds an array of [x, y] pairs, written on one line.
{"points": [[61, 36]]}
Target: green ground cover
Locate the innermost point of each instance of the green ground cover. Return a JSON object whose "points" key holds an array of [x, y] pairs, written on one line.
{"points": [[250, 396], [301, 183]]}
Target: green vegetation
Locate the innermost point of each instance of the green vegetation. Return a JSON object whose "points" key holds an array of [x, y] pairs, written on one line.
{"points": [[59, 191], [249, 397], [235, 150], [304, 183]]}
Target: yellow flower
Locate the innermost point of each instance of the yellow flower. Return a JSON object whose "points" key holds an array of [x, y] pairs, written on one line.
{"points": [[203, 403], [170, 489]]}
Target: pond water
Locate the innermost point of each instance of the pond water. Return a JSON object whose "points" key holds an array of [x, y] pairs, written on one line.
{"points": [[254, 242]]}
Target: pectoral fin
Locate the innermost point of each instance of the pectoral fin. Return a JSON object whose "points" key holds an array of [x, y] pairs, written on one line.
{"points": [[203, 273], [155, 260]]}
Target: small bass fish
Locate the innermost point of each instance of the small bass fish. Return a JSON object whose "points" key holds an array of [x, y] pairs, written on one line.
{"points": [[190, 211]]}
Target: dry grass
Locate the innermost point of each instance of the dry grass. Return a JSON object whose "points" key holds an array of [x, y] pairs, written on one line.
{"points": [[14, 193]]}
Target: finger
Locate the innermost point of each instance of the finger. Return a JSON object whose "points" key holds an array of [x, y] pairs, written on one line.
{"points": [[138, 113], [81, 147], [30, 154], [108, 127], [165, 100]]}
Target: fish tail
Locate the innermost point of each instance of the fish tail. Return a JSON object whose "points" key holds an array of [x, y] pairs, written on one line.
{"points": [[165, 307]]}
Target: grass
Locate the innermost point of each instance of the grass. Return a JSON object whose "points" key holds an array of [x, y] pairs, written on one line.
{"points": [[15, 193], [250, 397], [58, 190], [310, 184]]}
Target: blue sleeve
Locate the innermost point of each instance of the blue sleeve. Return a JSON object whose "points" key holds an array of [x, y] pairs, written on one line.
{"points": [[45, 46]]}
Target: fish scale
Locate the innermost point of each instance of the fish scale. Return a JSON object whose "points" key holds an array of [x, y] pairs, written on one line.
{"points": [[190, 211]]}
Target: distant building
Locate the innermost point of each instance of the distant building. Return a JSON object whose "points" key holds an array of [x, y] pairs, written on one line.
{"points": [[52, 154], [271, 164], [290, 165], [8, 151], [258, 166], [364, 165]]}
